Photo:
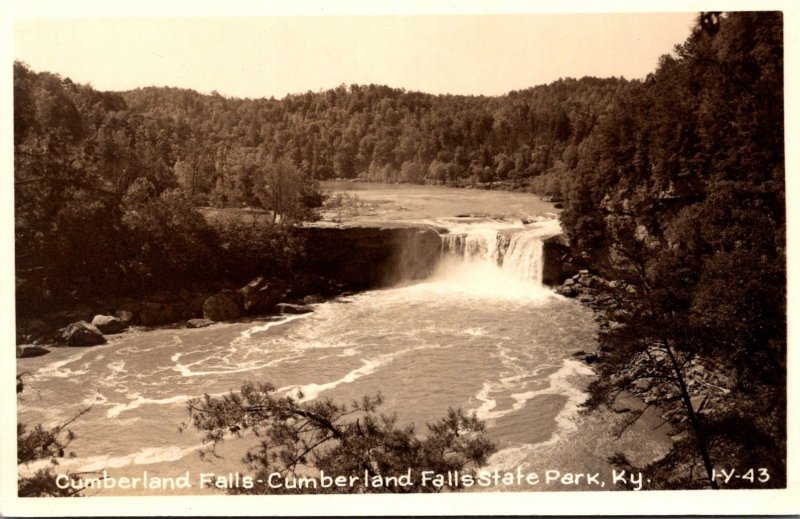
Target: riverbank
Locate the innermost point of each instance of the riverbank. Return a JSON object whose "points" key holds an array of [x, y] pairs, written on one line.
{"points": [[645, 392], [335, 261]]}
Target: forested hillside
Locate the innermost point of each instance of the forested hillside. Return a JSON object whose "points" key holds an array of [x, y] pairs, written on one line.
{"points": [[106, 183], [679, 192], [377, 133]]}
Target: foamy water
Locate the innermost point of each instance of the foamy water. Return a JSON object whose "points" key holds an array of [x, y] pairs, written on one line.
{"points": [[481, 334]]}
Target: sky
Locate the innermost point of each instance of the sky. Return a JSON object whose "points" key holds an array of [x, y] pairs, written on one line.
{"points": [[276, 55]]}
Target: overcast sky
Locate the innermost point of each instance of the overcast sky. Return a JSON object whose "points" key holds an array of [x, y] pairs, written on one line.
{"points": [[273, 56]]}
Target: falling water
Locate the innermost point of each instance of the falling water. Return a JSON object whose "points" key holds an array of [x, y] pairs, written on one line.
{"points": [[516, 253]]}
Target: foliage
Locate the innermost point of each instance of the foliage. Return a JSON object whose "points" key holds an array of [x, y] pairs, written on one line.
{"points": [[105, 199], [166, 237], [40, 443], [78, 153], [285, 191], [680, 193], [299, 437], [377, 133], [252, 249]]}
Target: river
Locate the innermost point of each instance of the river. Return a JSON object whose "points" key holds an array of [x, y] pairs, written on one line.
{"points": [[481, 333]]}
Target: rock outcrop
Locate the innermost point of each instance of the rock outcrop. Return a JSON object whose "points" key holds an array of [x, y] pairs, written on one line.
{"points": [[259, 296], [25, 352], [82, 333], [108, 324], [199, 323], [361, 258], [313, 299], [223, 306], [126, 317], [706, 383], [557, 261], [288, 308]]}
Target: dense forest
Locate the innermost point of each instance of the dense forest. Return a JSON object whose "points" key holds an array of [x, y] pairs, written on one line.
{"points": [[673, 184], [123, 171], [679, 192]]}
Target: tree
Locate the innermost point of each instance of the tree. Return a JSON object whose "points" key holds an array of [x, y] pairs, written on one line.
{"points": [[188, 179], [286, 191], [683, 205], [169, 242], [410, 172], [298, 436]]}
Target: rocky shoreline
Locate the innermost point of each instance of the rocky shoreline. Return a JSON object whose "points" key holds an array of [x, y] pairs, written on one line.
{"points": [[656, 401], [338, 260], [88, 325]]}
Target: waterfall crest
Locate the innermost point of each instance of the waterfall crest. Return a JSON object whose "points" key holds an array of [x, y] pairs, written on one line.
{"points": [[516, 252], [494, 260]]}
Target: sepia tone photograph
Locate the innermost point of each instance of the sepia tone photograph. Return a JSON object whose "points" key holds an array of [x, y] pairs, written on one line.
{"points": [[484, 254]]}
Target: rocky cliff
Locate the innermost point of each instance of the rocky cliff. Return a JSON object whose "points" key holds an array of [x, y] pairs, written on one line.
{"points": [[371, 257]]}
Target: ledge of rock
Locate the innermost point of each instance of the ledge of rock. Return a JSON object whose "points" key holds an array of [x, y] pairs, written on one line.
{"points": [[361, 258], [25, 352], [288, 308], [199, 323], [260, 296]]}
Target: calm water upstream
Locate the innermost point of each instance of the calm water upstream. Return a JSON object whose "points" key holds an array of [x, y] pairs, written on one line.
{"points": [[481, 334]]}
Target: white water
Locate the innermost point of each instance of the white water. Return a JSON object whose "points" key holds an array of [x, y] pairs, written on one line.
{"points": [[517, 251], [482, 334]]}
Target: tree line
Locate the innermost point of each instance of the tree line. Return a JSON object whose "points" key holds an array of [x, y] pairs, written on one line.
{"points": [[106, 183]]}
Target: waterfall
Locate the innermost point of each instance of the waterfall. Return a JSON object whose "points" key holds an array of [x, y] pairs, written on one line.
{"points": [[524, 257], [516, 252]]}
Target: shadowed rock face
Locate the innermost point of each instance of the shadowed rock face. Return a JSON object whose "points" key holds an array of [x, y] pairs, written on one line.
{"points": [[557, 259], [371, 257]]}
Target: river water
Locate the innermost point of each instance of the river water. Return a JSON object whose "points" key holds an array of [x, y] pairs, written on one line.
{"points": [[481, 334]]}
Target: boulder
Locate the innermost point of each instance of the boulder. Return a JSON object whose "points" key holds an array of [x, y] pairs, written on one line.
{"points": [[313, 299], [108, 324], [82, 333], [588, 358], [125, 316], [586, 298], [223, 306], [287, 308], [567, 291], [258, 296], [198, 323], [25, 352]]}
